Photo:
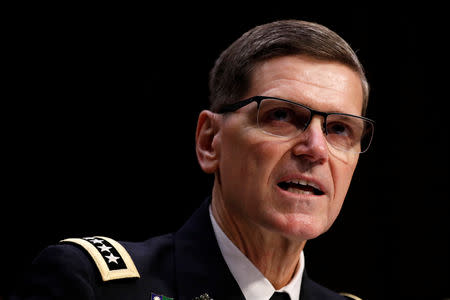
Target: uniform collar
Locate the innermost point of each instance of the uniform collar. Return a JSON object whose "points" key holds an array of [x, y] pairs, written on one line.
{"points": [[199, 266], [251, 281]]}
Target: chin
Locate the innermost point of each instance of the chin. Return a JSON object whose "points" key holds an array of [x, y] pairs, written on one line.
{"points": [[301, 227]]}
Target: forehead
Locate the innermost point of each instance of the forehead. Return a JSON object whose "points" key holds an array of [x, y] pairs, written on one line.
{"points": [[322, 85]]}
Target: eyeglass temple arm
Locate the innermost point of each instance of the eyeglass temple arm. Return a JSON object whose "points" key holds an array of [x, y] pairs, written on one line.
{"points": [[235, 106]]}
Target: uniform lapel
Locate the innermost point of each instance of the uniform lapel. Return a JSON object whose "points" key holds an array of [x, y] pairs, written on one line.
{"points": [[307, 290], [199, 266], [311, 290]]}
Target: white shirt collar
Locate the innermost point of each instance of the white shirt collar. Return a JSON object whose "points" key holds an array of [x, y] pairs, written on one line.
{"points": [[252, 282]]}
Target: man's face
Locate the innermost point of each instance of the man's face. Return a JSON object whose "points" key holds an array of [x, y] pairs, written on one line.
{"points": [[257, 171]]}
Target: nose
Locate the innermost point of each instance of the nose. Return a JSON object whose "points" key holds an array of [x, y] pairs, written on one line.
{"points": [[312, 143]]}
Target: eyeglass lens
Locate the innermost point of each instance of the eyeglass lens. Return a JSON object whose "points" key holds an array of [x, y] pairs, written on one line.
{"points": [[287, 119]]}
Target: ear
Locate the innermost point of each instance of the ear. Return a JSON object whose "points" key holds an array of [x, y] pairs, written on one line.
{"points": [[206, 138]]}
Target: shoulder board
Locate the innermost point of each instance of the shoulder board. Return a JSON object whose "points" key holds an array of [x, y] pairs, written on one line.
{"points": [[111, 258], [350, 296]]}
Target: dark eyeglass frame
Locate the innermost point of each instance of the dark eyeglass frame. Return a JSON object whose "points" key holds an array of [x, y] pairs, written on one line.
{"points": [[235, 106]]}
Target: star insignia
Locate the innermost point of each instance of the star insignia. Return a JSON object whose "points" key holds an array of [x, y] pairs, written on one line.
{"points": [[111, 258], [104, 248]]}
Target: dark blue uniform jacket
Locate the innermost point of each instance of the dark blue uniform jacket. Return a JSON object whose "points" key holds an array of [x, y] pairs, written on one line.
{"points": [[183, 265]]}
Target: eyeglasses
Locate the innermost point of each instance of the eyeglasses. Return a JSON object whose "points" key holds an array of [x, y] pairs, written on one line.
{"points": [[284, 118]]}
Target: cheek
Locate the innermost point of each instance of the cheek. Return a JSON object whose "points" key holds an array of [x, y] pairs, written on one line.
{"points": [[249, 154], [265, 156], [246, 170], [342, 174]]}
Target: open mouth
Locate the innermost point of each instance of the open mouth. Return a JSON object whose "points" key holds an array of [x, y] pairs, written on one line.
{"points": [[300, 187]]}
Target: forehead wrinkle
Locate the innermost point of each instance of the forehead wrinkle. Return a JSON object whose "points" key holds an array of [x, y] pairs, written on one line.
{"points": [[324, 80], [316, 70], [279, 82]]}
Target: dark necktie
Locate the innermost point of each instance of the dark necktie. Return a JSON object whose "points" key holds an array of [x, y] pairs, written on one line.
{"points": [[280, 296]]}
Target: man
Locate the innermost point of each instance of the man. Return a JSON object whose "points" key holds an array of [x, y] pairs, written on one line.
{"points": [[282, 139]]}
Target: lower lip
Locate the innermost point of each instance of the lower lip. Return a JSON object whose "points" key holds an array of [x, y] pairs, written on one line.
{"points": [[298, 196]]}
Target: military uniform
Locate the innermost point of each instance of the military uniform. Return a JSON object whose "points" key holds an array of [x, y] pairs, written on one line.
{"points": [[187, 264]]}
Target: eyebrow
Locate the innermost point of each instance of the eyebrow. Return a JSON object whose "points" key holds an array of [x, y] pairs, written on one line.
{"points": [[339, 111]]}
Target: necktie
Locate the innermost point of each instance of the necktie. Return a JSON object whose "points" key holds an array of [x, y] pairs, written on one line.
{"points": [[280, 296]]}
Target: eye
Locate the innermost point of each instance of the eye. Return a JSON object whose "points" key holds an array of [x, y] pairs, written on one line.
{"points": [[282, 118], [281, 114], [339, 128]]}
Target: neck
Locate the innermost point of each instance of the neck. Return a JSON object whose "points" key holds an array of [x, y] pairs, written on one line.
{"points": [[275, 256]]}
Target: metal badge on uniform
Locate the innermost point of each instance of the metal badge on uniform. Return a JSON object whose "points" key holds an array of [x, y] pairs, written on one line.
{"points": [[159, 297], [205, 296]]}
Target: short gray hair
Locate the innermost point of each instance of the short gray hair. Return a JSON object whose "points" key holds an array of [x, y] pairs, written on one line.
{"points": [[230, 77]]}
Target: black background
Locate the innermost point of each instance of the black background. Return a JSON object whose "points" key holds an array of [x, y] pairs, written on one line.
{"points": [[99, 115]]}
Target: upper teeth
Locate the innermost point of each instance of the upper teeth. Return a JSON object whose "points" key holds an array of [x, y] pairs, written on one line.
{"points": [[303, 182]]}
